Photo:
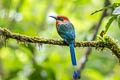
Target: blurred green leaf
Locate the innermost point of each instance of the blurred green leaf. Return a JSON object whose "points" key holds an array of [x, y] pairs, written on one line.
{"points": [[109, 23], [93, 74]]}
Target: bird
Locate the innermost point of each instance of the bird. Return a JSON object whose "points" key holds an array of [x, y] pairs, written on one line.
{"points": [[67, 32]]}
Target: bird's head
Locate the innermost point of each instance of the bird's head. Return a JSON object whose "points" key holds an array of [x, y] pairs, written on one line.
{"points": [[60, 19]]}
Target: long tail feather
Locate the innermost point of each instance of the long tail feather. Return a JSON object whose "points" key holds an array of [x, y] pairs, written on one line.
{"points": [[72, 52]]}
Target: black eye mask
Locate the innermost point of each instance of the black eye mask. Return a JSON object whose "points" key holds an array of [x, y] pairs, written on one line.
{"points": [[61, 19]]}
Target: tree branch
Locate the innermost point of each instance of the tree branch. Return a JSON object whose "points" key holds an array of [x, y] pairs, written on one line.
{"points": [[105, 42]]}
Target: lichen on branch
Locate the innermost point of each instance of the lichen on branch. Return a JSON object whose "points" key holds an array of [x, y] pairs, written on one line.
{"points": [[105, 42]]}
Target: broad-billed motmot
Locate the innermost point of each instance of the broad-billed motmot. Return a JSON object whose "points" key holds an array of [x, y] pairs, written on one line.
{"points": [[66, 30]]}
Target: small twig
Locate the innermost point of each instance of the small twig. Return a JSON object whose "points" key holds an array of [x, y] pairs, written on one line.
{"points": [[107, 7]]}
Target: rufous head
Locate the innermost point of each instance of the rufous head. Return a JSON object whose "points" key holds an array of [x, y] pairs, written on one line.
{"points": [[60, 19]]}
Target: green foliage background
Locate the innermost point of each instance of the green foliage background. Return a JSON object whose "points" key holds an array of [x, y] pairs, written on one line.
{"points": [[46, 62]]}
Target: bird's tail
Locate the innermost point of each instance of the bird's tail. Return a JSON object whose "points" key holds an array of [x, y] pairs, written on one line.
{"points": [[72, 52]]}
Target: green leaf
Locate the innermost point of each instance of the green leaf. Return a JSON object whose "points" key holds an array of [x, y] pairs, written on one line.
{"points": [[119, 21], [109, 23]]}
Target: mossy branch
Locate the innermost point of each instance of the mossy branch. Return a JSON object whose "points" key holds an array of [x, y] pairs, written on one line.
{"points": [[105, 42]]}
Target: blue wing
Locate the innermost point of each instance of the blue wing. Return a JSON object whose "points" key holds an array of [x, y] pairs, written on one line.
{"points": [[66, 31]]}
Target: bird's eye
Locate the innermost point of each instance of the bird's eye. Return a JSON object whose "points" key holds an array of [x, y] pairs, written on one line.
{"points": [[61, 19]]}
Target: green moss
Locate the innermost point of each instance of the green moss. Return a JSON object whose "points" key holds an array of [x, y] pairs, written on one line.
{"points": [[112, 44]]}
